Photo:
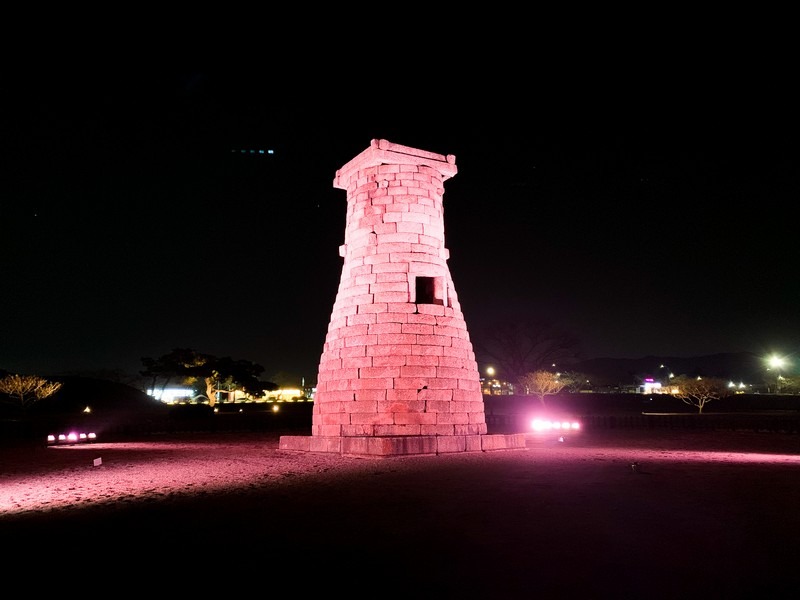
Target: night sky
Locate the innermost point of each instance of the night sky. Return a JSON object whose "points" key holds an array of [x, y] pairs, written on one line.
{"points": [[143, 212]]}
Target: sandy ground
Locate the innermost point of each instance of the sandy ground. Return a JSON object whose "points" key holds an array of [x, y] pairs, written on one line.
{"points": [[622, 514]]}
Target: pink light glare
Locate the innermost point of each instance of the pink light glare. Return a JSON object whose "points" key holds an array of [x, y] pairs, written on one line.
{"points": [[549, 424]]}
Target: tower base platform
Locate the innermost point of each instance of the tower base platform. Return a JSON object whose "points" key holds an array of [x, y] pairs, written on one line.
{"points": [[401, 445]]}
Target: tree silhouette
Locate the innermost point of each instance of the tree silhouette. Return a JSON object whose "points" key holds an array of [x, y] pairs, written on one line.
{"points": [[517, 347], [575, 381], [168, 368], [216, 375]]}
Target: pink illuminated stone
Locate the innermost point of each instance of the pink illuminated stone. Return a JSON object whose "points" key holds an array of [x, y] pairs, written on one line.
{"points": [[397, 364]]}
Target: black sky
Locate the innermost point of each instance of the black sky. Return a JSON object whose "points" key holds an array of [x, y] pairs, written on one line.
{"points": [[648, 219]]}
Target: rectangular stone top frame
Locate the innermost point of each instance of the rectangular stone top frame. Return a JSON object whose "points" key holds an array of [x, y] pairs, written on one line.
{"points": [[384, 152]]}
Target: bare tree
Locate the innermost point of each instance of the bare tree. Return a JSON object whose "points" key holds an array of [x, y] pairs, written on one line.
{"points": [[524, 346], [542, 383], [699, 391], [27, 389]]}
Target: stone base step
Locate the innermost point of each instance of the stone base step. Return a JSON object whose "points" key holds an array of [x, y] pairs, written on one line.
{"points": [[387, 446]]}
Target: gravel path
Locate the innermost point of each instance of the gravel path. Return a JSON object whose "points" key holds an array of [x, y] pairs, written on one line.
{"points": [[622, 514]]}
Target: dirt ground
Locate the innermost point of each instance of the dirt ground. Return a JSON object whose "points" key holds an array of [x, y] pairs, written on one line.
{"points": [[619, 514]]}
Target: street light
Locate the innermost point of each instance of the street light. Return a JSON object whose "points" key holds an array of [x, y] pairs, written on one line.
{"points": [[776, 362], [670, 375], [491, 387]]}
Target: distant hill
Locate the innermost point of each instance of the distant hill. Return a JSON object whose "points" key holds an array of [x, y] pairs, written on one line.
{"points": [[83, 404], [738, 367], [77, 393]]}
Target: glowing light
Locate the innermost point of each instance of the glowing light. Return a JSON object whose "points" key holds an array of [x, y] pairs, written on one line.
{"points": [[170, 395], [652, 387], [285, 395], [776, 362], [548, 425], [72, 437], [258, 151]]}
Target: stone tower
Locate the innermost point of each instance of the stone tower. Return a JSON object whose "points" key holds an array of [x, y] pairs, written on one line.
{"points": [[398, 373]]}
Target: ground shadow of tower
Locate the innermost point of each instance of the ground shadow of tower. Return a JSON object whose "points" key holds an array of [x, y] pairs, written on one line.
{"points": [[398, 373]]}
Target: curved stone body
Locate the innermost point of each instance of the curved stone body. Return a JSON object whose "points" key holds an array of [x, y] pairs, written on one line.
{"points": [[397, 374], [397, 358]]}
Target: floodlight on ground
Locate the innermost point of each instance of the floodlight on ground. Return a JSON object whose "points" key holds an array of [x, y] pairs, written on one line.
{"points": [[539, 424], [71, 437]]}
